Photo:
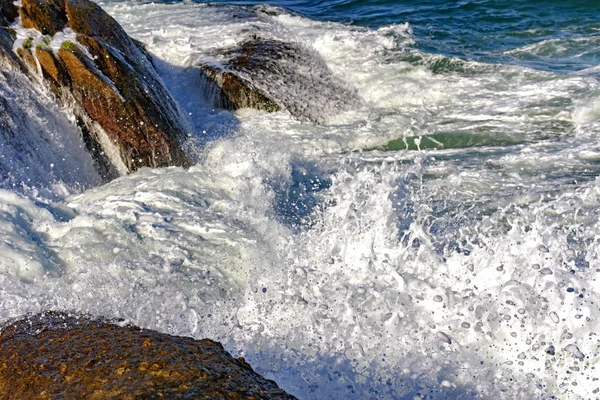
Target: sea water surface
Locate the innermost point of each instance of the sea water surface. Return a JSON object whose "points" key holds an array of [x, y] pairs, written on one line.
{"points": [[440, 241]]}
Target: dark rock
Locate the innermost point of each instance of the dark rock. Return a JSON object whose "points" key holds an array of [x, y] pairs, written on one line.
{"points": [[8, 59], [46, 16], [270, 74], [128, 118], [54, 355], [8, 12], [236, 92]]}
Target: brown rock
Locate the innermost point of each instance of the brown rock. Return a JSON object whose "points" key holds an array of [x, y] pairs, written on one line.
{"points": [[54, 355], [270, 75], [89, 19], [236, 92], [131, 117], [47, 16], [27, 57], [52, 70], [127, 117]]}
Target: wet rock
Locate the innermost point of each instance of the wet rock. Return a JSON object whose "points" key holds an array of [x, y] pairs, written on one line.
{"points": [[236, 92], [8, 59], [8, 12], [27, 57], [46, 16], [128, 118], [54, 355], [270, 75]]}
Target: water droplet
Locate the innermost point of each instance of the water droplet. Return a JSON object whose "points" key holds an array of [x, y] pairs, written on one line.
{"points": [[550, 350], [574, 350], [443, 337], [465, 325], [546, 271], [438, 299], [554, 317], [543, 249]]}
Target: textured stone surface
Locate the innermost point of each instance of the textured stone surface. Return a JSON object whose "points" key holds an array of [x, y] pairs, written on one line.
{"points": [[54, 355], [46, 16], [236, 92], [270, 75], [127, 117]]}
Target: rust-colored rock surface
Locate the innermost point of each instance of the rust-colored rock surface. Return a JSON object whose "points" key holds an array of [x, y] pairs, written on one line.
{"points": [[271, 75], [46, 16], [127, 116], [54, 355]]}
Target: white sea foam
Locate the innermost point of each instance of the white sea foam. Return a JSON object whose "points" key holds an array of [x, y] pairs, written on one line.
{"points": [[340, 273]]}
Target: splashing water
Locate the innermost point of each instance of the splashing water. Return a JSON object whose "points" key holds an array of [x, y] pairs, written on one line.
{"points": [[438, 241]]}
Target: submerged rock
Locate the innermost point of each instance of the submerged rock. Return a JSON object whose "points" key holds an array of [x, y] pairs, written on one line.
{"points": [[54, 355], [270, 75], [128, 118]]}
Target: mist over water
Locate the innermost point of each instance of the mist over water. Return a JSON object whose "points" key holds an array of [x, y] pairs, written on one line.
{"points": [[438, 241]]}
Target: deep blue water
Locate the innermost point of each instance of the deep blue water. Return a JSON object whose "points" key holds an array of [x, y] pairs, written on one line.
{"points": [[482, 30]]}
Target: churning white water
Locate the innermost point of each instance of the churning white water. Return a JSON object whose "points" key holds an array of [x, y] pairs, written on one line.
{"points": [[334, 260]]}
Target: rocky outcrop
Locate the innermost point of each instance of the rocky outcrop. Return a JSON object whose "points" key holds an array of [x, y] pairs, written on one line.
{"points": [[8, 12], [271, 75], [54, 355], [46, 16], [127, 117]]}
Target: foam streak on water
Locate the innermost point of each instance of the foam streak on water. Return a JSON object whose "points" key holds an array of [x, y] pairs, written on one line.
{"points": [[335, 260]]}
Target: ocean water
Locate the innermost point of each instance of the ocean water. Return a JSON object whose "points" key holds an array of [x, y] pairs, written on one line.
{"points": [[439, 241]]}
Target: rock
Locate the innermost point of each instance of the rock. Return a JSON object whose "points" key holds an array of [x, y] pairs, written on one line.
{"points": [[128, 118], [27, 57], [55, 355], [8, 12], [235, 92], [46, 16], [8, 59], [270, 75]]}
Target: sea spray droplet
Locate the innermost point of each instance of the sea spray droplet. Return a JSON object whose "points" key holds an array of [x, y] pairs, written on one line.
{"points": [[465, 325], [536, 266], [543, 249], [443, 337], [574, 350], [550, 350], [438, 299], [546, 271], [554, 317]]}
